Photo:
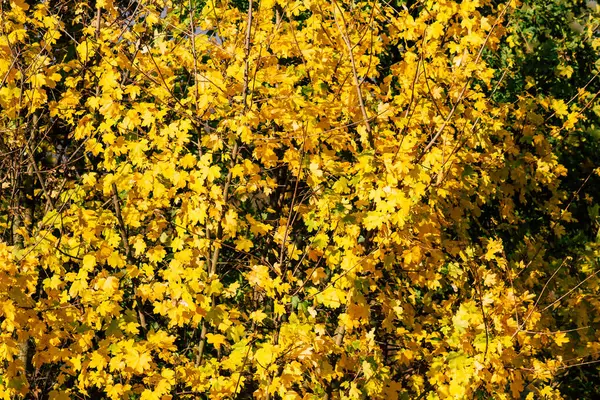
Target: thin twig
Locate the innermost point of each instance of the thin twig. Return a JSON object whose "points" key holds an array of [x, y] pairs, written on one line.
{"points": [[363, 110]]}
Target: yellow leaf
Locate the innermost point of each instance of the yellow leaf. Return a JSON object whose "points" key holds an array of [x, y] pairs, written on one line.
{"points": [[436, 30], [148, 394], [216, 340], [243, 244], [258, 316], [265, 355], [89, 262], [560, 339], [494, 246], [156, 254], [97, 361], [560, 107], [332, 297], [138, 362], [85, 50], [20, 4]]}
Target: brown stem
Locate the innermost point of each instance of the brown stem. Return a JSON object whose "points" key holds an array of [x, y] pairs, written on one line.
{"points": [[49, 202], [117, 205], [339, 336], [98, 15], [361, 102], [464, 89], [234, 153]]}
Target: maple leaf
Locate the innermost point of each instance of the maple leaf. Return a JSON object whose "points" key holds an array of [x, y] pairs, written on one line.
{"points": [[265, 355], [560, 338], [98, 361], [215, 339]]}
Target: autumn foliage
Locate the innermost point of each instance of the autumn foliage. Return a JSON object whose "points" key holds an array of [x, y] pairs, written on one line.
{"points": [[308, 199]]}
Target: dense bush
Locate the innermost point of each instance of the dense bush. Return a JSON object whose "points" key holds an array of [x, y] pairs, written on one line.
{"points": [[299, 199]]}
